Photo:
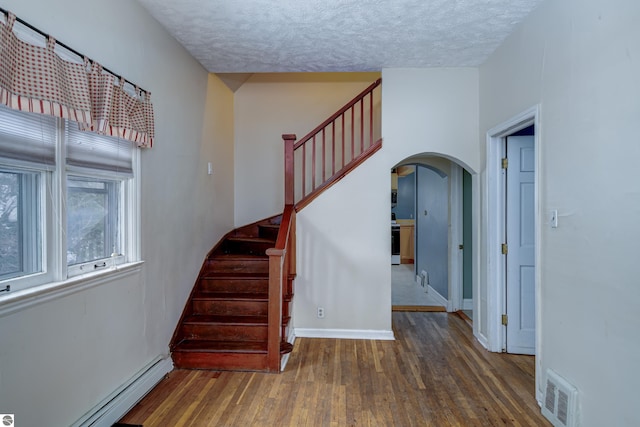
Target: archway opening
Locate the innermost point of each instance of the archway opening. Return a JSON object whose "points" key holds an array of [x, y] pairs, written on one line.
{"points": [[431, 205]]}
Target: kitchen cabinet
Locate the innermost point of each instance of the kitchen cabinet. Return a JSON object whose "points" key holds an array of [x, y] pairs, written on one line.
{"points": [[394, 181], [407, 228]]}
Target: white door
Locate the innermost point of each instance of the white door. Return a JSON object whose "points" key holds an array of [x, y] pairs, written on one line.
{"points": [[520, 231]]}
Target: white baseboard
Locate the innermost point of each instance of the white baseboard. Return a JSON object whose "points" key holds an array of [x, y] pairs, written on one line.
{"points": [[118, 403], [482, 340], [467, 304], [436, 295], [351, 334]]}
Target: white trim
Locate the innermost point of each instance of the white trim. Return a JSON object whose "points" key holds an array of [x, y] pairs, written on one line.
{"points": [[439, 298], [477, 262], [350, 334], [23, 299], [132, 232], [291, 340], [492, 225], [482, 339], [118, 403], [455, 237], [467, 304]]}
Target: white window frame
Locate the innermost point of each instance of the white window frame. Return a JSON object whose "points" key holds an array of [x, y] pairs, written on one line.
{"points": [[56, 278], [30, 251], [108, 261]]}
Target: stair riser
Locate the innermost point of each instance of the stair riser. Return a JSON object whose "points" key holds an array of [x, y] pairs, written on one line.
{"points": [[220, 361], [230, 308], [234, 285], [229, 266], [250, 248], [224, 332], [268, 232]]}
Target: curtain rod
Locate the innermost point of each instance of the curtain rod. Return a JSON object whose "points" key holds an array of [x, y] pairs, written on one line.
{"points": [[42, 33]]}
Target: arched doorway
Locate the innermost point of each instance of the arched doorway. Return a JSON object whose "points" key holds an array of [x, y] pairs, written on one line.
{"points": [[433, 198]]}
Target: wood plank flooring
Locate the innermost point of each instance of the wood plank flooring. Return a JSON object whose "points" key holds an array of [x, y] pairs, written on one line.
{"points": [[434, 374]]}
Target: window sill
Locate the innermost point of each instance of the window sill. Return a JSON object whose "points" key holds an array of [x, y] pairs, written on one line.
{"points": [[20, 300]]}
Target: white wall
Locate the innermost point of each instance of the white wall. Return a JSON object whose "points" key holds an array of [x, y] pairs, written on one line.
{"points": [[580, 60], [344, 255], [431, 111], [60, 358], [267, 106], [344, 236]]}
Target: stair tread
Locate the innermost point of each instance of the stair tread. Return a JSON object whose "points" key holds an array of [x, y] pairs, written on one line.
{"points": [[248, 257], [222, 346], [269, 225], [231, 296], [225, 319], [232, 275], [250, 239]]}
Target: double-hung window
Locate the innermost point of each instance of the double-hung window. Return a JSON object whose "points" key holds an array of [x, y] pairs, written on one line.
{"points": [[67, 200]]}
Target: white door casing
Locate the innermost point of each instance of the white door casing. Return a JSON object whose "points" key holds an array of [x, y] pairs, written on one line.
{"points": [[490, 332], [520, 235]]}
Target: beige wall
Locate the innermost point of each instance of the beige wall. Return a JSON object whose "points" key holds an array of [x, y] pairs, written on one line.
{"points": [[267, 106], [580, 61], [60, 358]]}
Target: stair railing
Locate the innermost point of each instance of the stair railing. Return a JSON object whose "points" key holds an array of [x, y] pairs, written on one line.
{"points": [[313, 164], [332, 149], [282, 267]]}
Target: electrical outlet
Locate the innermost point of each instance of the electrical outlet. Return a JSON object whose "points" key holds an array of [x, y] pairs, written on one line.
{"points": [[320, 312]]}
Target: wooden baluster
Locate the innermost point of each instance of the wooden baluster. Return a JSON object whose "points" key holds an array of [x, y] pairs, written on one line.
{"points": [[304, 170], [292, 245], [333, 148], [353, 119], [313, 164], [370, 118], [343, 114], [289, 195], [361, 126], [324, 156]]}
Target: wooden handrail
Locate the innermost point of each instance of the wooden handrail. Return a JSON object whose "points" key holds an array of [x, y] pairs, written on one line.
{"points": [[338, 113], [326, 154], [281, 261]]}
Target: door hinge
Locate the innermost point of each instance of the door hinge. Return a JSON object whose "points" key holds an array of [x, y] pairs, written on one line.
{"points": [[505, 319], [460, 247], [505, 163], [505, 249]]}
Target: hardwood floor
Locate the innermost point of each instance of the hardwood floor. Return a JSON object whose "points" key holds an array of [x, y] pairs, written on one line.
{"points": [[434, 374]]}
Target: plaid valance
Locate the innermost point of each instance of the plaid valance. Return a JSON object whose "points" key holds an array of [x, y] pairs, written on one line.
{"points": [[36, 79]]}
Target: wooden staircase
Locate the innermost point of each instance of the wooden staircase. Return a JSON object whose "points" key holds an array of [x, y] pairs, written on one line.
{"points": [[225, 323], [238, 314]]}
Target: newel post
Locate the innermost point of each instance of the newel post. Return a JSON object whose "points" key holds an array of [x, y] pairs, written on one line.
{"points": [[289, 140]]}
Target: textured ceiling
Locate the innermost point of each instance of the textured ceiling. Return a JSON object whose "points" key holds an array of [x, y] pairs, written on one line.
{"points": [[247, 36]]}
